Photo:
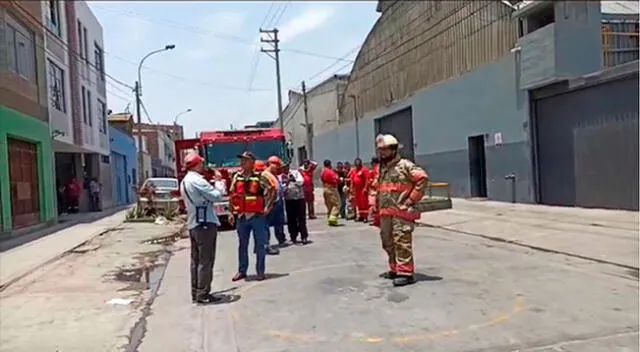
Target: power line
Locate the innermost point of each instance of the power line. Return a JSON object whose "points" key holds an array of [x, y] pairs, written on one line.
{"points": [[202, 31], [69, 50], [284, 9], [144, 108], [181, 78]]}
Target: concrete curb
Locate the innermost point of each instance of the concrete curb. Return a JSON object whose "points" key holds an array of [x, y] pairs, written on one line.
{"points": [[537, 248], [16, 277]]}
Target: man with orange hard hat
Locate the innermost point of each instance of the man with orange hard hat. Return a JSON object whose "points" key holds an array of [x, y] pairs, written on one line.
{"points": [[202, 223]]}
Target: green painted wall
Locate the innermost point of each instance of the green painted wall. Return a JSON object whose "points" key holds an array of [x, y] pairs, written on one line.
{"points": [[16, 125]]}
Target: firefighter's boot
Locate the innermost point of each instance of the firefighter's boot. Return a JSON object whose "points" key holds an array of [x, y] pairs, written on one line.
{"points": [[403, 280]]}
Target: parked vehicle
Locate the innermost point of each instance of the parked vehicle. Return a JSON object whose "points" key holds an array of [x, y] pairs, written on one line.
{"points": [[160, 193]]}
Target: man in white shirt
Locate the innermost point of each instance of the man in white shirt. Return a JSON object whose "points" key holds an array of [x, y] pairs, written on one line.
{"points": [[202, 222]]}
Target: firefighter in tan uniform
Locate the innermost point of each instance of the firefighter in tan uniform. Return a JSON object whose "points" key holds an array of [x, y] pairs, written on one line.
{"points": [[401, 185]]}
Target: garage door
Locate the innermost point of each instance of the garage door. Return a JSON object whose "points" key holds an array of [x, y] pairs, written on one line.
{"points": [[399, 124], [23, 180], [587, 143]]}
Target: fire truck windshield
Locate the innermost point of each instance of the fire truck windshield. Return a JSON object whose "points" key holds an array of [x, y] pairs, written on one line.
{"points": [[226, 154]]}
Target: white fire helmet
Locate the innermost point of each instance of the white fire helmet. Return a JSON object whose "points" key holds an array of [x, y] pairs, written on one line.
{"points": [[386, 140]]}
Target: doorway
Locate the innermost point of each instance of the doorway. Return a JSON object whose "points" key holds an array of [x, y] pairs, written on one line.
{"points": [[399, 124], [23, 180], [477, 167]]}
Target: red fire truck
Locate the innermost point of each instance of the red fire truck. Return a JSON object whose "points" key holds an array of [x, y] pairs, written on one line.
{"points": [[220, 150]]}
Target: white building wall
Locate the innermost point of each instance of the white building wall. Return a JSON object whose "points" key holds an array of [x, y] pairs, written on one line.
{"points": [[322, 106], [166, 151], [95, 132], [56, 53]]}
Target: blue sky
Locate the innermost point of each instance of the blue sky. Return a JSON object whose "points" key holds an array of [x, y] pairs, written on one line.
{"points": [[216, 49]]}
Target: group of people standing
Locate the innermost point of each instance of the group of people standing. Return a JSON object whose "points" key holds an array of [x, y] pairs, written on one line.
{"points": [[349, 191], [261, 193]]}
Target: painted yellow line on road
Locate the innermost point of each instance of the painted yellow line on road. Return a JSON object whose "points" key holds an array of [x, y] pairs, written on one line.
{"points": [[518, 306]]}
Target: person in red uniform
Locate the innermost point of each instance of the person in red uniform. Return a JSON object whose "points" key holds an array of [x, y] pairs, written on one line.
{"points": [[74, 188], [330, 181], [307, 169], [360, 190], [373, 191]]}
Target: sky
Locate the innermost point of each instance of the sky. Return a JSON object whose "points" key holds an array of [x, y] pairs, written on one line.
{"points": [[216, 68]]}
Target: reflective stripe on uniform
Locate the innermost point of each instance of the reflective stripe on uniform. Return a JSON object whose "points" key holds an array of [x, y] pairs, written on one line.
{"points": [[402, 214], [394, 187]]}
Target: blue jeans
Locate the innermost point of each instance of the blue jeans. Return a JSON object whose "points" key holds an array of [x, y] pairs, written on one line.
{"points": [[276, 219], [256, 224]]}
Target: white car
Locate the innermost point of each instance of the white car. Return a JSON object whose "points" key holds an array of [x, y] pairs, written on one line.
{"points": [[167, 192]]}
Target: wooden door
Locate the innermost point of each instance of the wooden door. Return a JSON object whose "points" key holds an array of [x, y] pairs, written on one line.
{"points": [[23, 180]]}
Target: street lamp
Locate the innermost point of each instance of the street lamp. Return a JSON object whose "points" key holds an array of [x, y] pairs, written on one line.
{"points": [[175, 120], [138, 91]]}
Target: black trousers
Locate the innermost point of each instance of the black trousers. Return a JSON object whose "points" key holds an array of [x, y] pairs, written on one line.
{"points": [[203, 255], [297, 218]]}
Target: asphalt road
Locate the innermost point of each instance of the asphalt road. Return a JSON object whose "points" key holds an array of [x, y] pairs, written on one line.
{"points": [[473, 295]]}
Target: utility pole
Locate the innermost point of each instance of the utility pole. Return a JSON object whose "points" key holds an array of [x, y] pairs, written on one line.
{"points": [[273, 35], [307, 126], [139, 121], [355, 116]]}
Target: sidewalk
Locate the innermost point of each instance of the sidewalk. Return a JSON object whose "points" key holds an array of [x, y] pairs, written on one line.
{"points": [[19, 261], [609, 236]]}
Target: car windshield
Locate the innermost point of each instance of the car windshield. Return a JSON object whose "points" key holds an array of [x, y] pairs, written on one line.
{"points": [[162, 183], [226, 154]]}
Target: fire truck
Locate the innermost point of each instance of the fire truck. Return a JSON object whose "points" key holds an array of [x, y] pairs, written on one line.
{"points": [[220, 150]]}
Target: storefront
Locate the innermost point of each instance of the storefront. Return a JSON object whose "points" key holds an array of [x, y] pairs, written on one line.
{"points": [[26, 172]]}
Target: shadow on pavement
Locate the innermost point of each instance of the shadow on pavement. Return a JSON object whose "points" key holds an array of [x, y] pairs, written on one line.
{"points": [[267, 277], [226, 299], [424, 277]]}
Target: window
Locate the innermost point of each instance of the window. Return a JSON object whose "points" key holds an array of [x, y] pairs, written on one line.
{"points": [[20, 50], [84, 105], [89, 110], [56, 87], [99, 60], [53, 17], [86, 43], [102, 116], [80, 40]]}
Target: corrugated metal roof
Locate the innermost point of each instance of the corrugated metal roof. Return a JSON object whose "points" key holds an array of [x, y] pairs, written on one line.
{"points": [[620, 7]]}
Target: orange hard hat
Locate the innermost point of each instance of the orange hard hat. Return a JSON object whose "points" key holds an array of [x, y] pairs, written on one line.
{"points": [[274, 160], [260, 166], [192, 159]]}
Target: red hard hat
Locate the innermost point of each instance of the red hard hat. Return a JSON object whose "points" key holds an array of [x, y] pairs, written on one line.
{"points": [[259, 166], [274, 160], [192, 159]]}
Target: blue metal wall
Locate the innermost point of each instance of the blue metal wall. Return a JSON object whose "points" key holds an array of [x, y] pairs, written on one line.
{"points": [[123, 154], [483, 102]]}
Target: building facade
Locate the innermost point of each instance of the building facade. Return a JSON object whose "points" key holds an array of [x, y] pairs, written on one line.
{"points": [[159, 142], [123, 166], [454, 81], [322, 105], [27, 190]]}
